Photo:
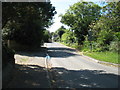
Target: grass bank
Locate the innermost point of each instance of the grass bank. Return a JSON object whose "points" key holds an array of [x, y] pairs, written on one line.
{"points": [[107, 56], [104, 56]]}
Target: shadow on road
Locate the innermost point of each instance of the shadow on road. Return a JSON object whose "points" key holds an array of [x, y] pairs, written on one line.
{"points": [[61, 52], [40, 52], [83, 78], [29, 76], [34, 76], [59, 48]]}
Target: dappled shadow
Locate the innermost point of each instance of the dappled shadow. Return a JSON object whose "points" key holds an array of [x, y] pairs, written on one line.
{"points": [[62, 48], [34, 76], [83, 78], [61, 52], [40, 52], [29, 76]]}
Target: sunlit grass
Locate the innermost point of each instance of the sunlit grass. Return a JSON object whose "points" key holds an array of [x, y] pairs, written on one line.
{"points": [[112, 57], [104, 56]]}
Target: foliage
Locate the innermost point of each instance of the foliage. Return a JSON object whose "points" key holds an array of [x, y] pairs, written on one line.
{"points": [[68, 37], [106, 29], [79, 16], [61, 31], [46, 36], [114, 46], [104, 26], [27, 21]]}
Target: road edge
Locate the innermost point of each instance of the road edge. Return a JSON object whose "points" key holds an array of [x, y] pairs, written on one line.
{"points": [[95, 60]]}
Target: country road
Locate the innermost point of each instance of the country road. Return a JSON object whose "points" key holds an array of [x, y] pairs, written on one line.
{"points": [[71, 70]]}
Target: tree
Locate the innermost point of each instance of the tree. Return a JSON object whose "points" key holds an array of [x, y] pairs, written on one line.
{"points": [[60, 32], [47, 36], [68, 37], [27, 21], [79, 16], [106, 29]]}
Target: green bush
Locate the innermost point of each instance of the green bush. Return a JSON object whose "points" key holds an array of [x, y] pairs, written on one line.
{"points": [[86, 46], [46, 36], [114, 46]]}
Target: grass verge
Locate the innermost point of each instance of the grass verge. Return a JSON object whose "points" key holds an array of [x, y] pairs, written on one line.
{"points": [[107, 56], [111, 57]]}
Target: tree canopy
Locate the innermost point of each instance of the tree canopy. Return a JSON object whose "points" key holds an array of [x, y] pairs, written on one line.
{"points": [[107, 29], [79, 16], [92, 24], [25, 22]]}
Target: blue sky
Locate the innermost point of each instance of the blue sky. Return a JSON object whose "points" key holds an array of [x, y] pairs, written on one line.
{"points": [[61, 7]]}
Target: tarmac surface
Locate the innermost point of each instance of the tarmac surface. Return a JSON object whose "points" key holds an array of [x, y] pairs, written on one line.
{"points": [[72, 70], [68, 69], [30, 71]]}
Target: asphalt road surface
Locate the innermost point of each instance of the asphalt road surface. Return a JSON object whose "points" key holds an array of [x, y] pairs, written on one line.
{"points": [[71, 70]]}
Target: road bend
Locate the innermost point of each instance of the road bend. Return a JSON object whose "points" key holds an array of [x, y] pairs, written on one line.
{"points": [[72, 70]]}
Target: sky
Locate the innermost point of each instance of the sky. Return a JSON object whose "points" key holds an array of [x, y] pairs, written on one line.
{"points": [[61, 6]]}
